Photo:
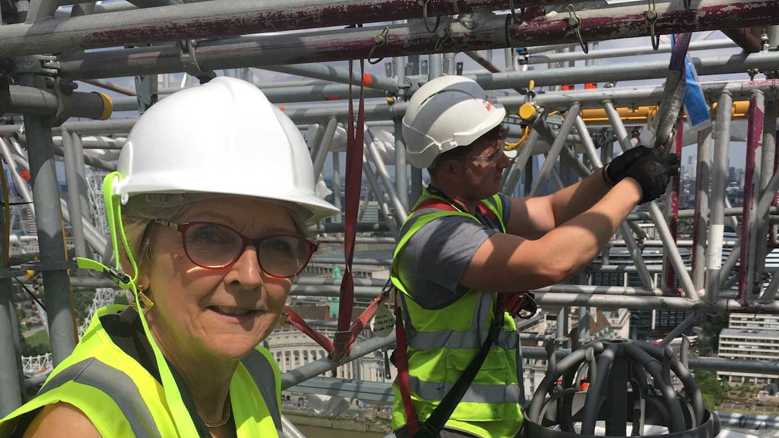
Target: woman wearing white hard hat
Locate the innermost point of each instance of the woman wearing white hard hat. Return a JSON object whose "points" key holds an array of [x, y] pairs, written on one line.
{"points": [[209, 207]]}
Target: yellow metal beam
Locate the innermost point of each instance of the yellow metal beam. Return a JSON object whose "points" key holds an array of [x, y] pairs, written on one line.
{"points": [[643, 113]]}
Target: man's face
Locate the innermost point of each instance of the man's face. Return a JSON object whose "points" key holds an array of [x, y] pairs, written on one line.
{"points": [[484, 164]]}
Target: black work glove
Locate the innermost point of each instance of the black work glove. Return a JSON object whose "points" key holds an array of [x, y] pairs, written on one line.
{"points": [[653, 172], [615, 170]]}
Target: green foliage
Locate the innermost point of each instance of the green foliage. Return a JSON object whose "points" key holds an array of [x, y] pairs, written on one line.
{"points": [[82, 299], [711, 326], [713, 390]]}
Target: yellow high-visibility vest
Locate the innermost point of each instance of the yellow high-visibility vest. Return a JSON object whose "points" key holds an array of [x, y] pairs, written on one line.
{"points": [[442, 342], [122, 399]]}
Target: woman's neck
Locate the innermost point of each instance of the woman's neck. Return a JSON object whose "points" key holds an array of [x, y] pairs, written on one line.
{"points": [[206, 377]]}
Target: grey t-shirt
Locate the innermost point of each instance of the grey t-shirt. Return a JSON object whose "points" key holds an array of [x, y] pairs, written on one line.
{"points": [[435, 258]]}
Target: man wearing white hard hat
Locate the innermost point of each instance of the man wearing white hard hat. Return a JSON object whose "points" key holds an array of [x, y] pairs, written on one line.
{"points": [[466, 249]]}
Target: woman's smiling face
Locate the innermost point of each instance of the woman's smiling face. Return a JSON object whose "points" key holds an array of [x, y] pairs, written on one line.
{"points": [[220, 312]]}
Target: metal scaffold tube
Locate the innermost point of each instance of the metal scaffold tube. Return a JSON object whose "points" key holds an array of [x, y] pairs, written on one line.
{"points": [[74, 199], [312, 369], [768, 162], [335, 74], [625, 231], [53, 263], [557, 146], [316, 112], [401, 177], [746, 275], [701, 212], [538, 58], [374, 186], [373, 156], [486, 32], [622, 71], [11, 394], [204, 19], [719, 172], [656, 215], [324, 146]]}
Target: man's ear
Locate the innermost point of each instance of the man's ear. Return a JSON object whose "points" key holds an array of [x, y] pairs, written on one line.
{"points": [[454, 169]]}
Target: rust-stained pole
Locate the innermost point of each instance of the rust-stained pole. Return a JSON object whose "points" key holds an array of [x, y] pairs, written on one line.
{"points": [[214, 19], [673, 200], [483, 32], [746, 272]]}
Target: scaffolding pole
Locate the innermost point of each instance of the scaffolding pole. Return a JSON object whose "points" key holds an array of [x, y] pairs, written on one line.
{"points": [[75, 207], [701, 213], [627, 234], [768, 162], [482, 32], [626, 52], [206, 19], [719, 174], [53, 262], [336, 74], [746, 275], [557, 146], [655, 214]]}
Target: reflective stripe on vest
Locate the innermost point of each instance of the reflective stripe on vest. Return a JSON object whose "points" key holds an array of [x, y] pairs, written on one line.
{"points": [[123, 391], [477, 392], [454, 339], [263, 376]]}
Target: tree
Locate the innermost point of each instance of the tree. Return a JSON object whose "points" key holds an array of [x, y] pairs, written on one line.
{"points": [[713, 390]]}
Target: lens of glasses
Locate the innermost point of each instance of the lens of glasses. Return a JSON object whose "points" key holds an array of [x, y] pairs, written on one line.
{"points": [[216, 246], [212, 245], [284, 256]]}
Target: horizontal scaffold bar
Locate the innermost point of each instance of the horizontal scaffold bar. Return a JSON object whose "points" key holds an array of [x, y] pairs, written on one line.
{"points": [[483, 31], [316, 112], [214, 19]]}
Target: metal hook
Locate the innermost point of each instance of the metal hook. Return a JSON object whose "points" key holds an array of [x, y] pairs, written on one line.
{"points": [[651, 17], [188, 58], [380, 40], [575, 22], [424, 18]]}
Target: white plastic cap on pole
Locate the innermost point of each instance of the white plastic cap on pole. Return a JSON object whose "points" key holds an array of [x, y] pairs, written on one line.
{"points": [[223, 137], [445, 113]]}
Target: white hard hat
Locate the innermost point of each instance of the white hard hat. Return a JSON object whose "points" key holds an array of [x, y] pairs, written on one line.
{"points": [[223, 137], [445, 113]]}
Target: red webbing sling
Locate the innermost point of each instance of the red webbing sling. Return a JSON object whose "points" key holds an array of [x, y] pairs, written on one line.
{"points": [[346, 334], [354, 156]]}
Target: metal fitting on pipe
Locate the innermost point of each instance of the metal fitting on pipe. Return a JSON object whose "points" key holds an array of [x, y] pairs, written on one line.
{"points": [[31, 100]]}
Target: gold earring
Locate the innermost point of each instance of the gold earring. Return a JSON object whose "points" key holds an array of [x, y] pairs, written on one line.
{"points": [[146, 302]]}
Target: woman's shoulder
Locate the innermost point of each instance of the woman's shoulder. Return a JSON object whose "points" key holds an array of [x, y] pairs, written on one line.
{"points": [[52, 419]]}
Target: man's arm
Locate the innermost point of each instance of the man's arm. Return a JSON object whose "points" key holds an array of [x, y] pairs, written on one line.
{"points": [[533, 217], [507, 263]]}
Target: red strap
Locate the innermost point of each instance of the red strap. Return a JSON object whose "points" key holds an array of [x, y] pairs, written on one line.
{"points": [[443, 205], [362, 321], [400, 359], [298, 322], [354, 158]]}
